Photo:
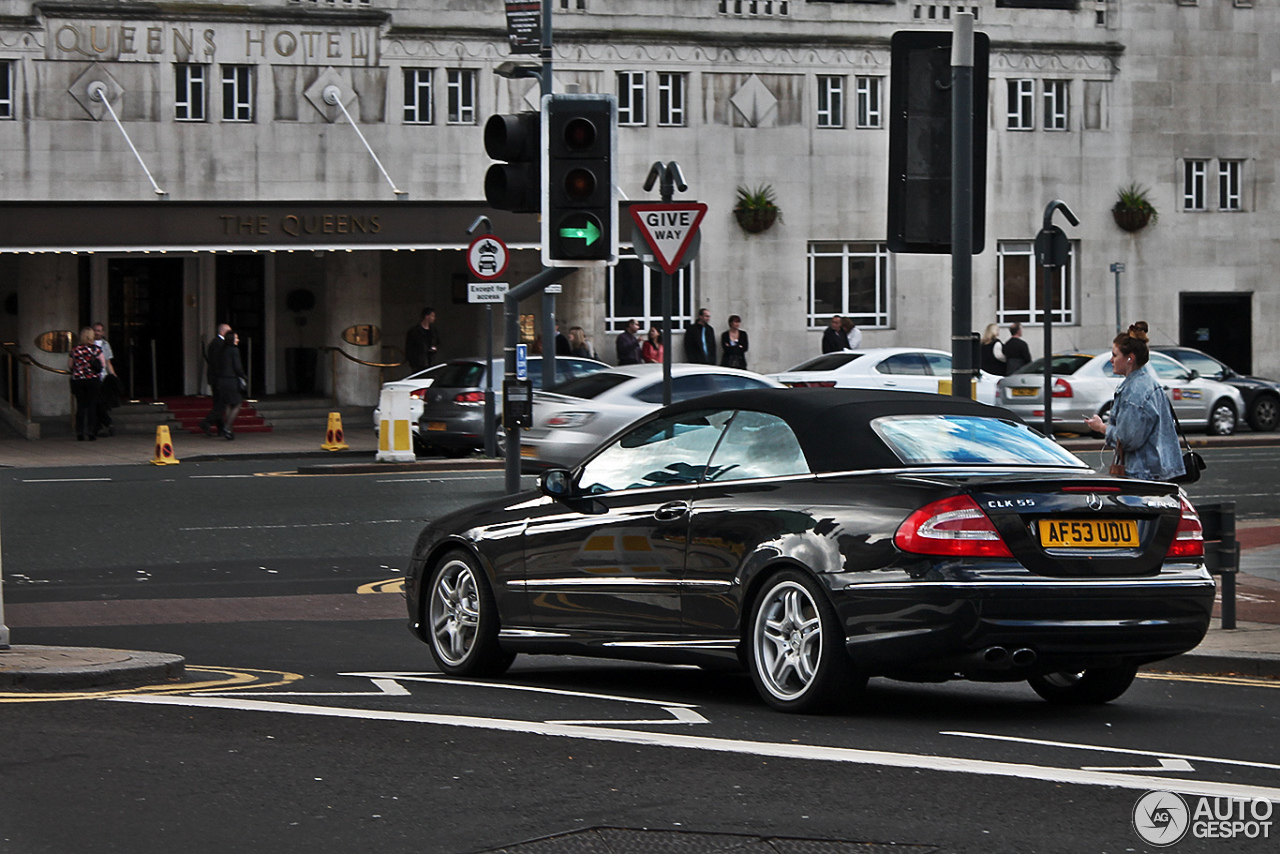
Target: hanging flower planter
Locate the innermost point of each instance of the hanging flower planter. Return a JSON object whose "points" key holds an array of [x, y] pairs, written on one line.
{"points": [[756, 210], [1131, 220], [1133, 210]]}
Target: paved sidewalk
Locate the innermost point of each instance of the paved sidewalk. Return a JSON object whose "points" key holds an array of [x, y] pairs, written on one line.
{"points": [[1253, 648]]}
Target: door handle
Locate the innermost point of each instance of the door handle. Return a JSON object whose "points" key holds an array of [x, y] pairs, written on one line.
{"points": [[671, 511]]}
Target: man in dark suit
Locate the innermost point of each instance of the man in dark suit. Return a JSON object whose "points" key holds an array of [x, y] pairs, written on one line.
{"points": [[422, 342], [1016, 351], [834, 338], [700, 340], [212, 423], [232, 381]]}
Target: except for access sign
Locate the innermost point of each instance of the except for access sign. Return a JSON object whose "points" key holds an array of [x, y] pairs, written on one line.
{"points": [[669, 228], [487, 291], [487, 257]]}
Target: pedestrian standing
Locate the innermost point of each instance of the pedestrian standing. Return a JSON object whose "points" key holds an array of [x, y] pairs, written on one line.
{"points": [[734, 344], [232, 383], [109, 392], [700, 340], [1016, 351], [578, 343], [652, 350], [211, 424], [992, 359], [422, 342], [1142, 427], [834, 338], [85, 363], [628, 345], [852, 334]]}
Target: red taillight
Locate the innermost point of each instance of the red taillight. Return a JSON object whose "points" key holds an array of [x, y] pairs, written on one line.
{"points": [[1188, 540], [469, 397], [954, 527], [419, 393], [1062, 388]]}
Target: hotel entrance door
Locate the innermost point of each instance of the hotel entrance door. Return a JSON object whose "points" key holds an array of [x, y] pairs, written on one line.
{"points": [[144, 325]]}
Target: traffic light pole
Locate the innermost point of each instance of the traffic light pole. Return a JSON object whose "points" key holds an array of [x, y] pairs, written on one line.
{"points": [[963, 370], [548, 300], [668, 176]]}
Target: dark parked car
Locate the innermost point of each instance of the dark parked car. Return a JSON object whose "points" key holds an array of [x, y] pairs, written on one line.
{"points": [[1261, 397], [822, 536]]}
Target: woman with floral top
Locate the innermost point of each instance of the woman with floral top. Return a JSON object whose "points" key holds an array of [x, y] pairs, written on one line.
{"points": [[86, 382]]}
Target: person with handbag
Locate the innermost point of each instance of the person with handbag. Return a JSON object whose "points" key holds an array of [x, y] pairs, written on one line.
{"points": [[232, 382], [1142, 428]]}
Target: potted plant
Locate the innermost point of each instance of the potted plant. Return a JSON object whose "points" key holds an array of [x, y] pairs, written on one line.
{"points": [[755, 209], [1133, 210]]}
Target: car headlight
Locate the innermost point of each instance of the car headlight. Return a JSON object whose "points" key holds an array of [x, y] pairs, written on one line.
{"points": [[570, 419]]}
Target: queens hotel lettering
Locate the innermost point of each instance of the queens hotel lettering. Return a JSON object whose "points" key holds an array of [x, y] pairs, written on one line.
{"points": [[148, 42]]}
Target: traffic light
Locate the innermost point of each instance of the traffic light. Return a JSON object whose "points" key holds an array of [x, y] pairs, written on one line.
{"points": [[580, 206], [515, 185], [919, 215]]}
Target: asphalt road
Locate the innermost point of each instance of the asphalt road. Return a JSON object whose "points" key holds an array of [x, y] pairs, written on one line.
{"points": [[315, 721]]}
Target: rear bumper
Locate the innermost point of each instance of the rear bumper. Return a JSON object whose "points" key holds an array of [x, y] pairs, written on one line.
{"points": [[1065, 623]]}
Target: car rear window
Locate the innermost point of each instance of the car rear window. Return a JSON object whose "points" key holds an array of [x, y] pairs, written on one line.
{"points": [[1062, 364], [829, 362], [460, 375], [590, 386], [969, 440]]}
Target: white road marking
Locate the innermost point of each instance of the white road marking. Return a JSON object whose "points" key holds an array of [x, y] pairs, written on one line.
{"points": [[307, 525], [802, 752], [67, 480], [530, 689], [386, 688], [1155, 754], [220, 476], [1165, 765]]}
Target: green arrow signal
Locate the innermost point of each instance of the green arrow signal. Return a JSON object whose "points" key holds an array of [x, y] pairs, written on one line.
{"points": [[589, 232]]}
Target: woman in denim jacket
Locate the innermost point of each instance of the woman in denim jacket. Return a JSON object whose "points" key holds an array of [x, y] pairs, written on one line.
{"points": [[1141, 416]]}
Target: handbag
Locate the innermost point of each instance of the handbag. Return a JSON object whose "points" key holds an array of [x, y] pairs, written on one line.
{"points": [[1117, 462], [1192, 462]]}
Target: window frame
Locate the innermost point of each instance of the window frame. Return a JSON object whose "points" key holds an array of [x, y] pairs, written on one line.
{"points": [[238, 93], [1057, 105], [870, 102], [460, 84], [682, 297], [1195, 184], [190, 91], [1065, 314], [632, 88], [415, 104], [830, 106], [1230, 184], [1021, 113], [880, 316], [6, 89], [672, 96]]}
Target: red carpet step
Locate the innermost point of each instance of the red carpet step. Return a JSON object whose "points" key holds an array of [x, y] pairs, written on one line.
{"points": [[192, 409]]}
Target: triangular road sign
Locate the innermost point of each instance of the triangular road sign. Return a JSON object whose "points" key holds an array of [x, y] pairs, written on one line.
{"points": [[669, 228]]}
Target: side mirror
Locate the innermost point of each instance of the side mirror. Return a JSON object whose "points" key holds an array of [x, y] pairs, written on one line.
{"points": [[1194, 375], [556, 483]]}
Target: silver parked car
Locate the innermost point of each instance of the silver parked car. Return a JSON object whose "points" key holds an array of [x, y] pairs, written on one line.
{"points": [[572, 419], [452, 419], [892, 368], [1084, 385]]}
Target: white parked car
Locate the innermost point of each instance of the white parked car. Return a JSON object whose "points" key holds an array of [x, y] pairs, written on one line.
{"points": [[572, 419], [1084, 385], [894, 368]]}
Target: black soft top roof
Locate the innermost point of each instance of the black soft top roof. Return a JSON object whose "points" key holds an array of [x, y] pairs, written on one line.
{"points": [[834, 424]]}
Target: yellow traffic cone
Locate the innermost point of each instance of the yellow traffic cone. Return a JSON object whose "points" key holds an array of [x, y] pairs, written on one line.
{"points": [[334, 434], [164, 448]]}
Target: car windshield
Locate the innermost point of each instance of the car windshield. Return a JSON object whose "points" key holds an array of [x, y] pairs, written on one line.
{"points": [[828, 362], [1202, 362], [1062, 364], [590, 386], [969, 440]]}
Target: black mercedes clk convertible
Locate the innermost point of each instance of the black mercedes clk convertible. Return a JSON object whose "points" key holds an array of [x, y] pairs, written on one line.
{"points": [[821, 537]]}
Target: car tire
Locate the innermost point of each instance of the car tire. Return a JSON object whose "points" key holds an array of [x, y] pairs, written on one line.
{"points": [[795, 647], [1264, 414], [1093, 686], [1222, 419], [462, 619]]}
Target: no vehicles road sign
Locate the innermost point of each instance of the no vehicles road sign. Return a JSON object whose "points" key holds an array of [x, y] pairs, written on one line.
{"points": [[487, 257], [668, 229]]}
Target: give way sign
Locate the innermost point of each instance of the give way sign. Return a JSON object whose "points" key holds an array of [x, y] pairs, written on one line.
{"points": [[669, 229]]}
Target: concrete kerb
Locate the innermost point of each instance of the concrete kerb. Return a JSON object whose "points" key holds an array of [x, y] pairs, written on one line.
{"points": [[66, 668]]}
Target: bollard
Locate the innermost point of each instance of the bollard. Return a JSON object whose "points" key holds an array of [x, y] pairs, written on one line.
{"points": [[1222, 552], [395, 438]]}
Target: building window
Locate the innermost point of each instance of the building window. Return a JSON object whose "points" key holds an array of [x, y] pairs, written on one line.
{"points": [[417, 96], [635, 293], [6, 90], [1021, 298], [1022, 105], [1056, 104], [237, 93], [631, 98], [849, 279], [1193, 185], [188, 95], [830, 102], [1229, 184], [870, 113], [670, 99], [462, 96]]}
